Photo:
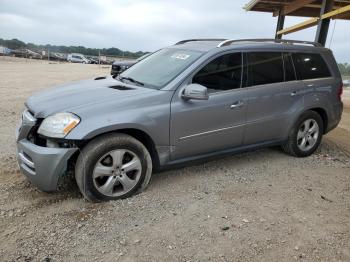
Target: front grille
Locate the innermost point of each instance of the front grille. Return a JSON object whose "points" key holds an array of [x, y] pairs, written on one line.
{"points": [[26, 125], [33, 135], [28, 118]]}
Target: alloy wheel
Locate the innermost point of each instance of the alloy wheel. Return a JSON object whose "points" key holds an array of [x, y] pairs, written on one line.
{"points": [[308, 134], [117, 172]]}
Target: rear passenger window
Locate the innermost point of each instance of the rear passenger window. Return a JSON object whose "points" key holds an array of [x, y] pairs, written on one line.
{"points": [[223, 73], [309, 66], [265, 68], [289, 72]]}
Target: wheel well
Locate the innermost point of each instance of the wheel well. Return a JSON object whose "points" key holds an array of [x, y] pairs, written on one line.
{"points": [[323, 115], [146, 140], [141, 136]]}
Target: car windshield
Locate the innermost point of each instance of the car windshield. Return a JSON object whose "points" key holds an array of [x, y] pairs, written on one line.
{"points": [[158, 69]]}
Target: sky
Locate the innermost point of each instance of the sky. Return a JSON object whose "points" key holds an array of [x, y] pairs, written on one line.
{"points": [[147, 25]]}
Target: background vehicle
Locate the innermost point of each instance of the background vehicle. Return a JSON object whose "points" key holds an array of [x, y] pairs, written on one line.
{"points": [[92, 60], [346, 83], [77, 58], [186, 102], [122, 65], [26, 53], [4, 50]]}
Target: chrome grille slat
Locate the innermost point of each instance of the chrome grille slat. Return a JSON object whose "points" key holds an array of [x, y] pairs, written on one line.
{"points": [[27, 123], [28, 118]]}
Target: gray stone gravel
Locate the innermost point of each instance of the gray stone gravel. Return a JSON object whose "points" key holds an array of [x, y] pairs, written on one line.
{"points": [[254, 206]]}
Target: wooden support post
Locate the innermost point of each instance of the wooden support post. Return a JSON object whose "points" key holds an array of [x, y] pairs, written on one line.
{"points": [[323, 24], [280, 24]]}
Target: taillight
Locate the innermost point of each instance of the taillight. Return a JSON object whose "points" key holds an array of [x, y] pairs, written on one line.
{"points": [[340, 91]]}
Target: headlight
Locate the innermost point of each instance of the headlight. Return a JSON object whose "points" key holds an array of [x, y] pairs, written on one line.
{"points": [[58, 125]]}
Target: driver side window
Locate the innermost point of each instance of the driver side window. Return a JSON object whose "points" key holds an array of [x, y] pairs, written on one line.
{"points": [[222, 73]]}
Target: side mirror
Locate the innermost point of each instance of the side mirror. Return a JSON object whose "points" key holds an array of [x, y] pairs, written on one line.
{"points": [[195, 92]]}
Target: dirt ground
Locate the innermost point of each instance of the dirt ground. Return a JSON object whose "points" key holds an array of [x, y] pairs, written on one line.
{"points": [[257, 206]]}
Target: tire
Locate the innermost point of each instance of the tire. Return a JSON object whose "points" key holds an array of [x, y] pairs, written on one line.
{"points": [[104, 168], [298, 139]]}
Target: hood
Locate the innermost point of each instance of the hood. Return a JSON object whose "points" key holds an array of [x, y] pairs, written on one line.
{"points": [[67, 98]]}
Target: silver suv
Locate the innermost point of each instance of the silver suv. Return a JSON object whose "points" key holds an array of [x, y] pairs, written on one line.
{"points": [[196, 99]]}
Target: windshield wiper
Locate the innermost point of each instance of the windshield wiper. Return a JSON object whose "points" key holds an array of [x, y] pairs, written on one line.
{"points": [[131, 80]]}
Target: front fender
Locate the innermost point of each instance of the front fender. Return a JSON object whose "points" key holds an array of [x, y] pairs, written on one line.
{"points": [[102, 129], [93, 126], [152, 120]]}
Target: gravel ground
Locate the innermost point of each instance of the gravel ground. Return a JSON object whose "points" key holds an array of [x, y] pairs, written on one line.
{"points": [[256, 206]]}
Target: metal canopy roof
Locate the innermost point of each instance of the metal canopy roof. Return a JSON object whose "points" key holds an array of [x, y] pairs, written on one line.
{"points": [[305, 8]]}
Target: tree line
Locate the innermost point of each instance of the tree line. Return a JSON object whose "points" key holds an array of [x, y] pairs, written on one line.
{"points": [[18, 44], [344, 69]]}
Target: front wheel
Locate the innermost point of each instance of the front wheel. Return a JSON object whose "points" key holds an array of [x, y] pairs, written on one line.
{"points": [[112, 167], [306, 135]]}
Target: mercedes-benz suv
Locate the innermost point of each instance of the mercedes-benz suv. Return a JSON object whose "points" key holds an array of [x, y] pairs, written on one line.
{"points": [[196, 99]]}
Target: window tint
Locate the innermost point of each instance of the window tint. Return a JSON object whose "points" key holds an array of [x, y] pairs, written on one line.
{"points": [[289, 73], [309, 66], [223, 73], [265, 68]]}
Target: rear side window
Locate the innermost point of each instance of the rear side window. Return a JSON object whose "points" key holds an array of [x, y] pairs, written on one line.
{"points": [[265, 68], [309, 66], [223, 73], [289, 72]]}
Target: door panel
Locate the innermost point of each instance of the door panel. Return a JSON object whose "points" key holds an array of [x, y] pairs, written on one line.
{"points": [[272, 101], [199, 127], [270, 108]]}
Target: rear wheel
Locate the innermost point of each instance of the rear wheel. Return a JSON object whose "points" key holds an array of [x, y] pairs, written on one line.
{"points": [[306, 135], [113, 167]]}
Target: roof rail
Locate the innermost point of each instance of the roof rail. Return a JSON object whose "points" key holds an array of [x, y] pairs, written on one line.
{"points": [[198, 40], [282, 41]]}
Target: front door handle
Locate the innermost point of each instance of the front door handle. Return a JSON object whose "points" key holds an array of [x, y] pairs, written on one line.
{"points": [[237, 104], [293, 93]]}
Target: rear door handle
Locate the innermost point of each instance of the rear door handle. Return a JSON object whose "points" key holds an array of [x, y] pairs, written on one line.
{"points": [[237, 104], [293, 93]]}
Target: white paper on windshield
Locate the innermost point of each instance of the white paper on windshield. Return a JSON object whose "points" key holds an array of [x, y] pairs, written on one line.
{"points": [[180, 56]]}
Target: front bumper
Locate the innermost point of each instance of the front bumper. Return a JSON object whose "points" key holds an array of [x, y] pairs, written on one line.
{"points": [[43, 165], [40, 164]]}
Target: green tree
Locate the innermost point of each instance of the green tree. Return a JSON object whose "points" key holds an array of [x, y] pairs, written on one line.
{"points": [[344, 68], [13, 43]]}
